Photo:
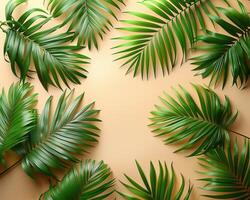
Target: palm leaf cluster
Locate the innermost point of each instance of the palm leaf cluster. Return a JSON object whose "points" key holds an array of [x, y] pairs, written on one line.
{"points": [[59, 138], [26, 44], [88, 19], [88, 182], [203, 127], [227, 172], [17, 116], [226, 54], [153, 38], [158, 187]]}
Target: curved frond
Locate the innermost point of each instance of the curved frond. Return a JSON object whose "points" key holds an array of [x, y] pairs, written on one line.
{"points": [[89, 19], [227, 172], [202, 127], [158, 187], [154, 36], [17, 116], [226, 54], [59, 138], [26, 44], [89, 181]]}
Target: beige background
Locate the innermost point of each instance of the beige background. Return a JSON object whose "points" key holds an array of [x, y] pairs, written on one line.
{"points": [[125, 103]]}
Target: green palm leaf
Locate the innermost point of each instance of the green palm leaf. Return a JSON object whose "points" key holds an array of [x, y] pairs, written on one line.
{"points": [[190, 124], [91, 181], [17, 116], [154, 37], [229, 53], [228, 172], [27, 44], [89, 19], [161, 187], [59, 138]]}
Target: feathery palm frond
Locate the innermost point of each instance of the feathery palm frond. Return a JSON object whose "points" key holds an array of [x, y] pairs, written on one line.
{"points": [[155, 36], [226, 53], [17, 116], [89, 19], [25, 43], [227, 172], [161, 187], [88, 182], [205, 125], [59, 138]]}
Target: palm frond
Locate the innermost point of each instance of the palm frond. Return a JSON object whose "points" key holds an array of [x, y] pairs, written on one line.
{"points": [[27, 44], [153, 38], [89, 19], [91, 181], [227, 172], [17, 116], [59, 138], [226, 54], [186, 122], [157, 187]]}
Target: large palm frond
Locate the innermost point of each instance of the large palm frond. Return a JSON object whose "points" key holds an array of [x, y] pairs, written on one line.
{"points": [[227, 172], [229, 53], [89, 19], [59, 138], [91, 181], [26, 43], [190, 124], [158, 187], [154, 37], [17, 116]]}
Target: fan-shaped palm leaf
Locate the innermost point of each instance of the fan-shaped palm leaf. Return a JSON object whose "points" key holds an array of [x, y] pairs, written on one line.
{"points": [[25, 43], [56, 142], [155, 36], [17, 116], [88, 182], [227, 172], [205, 125], [161, 187], [226, 53], [89, 19]]}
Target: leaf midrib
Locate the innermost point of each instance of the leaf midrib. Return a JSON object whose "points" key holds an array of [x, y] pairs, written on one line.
{"points": [[201, 120]]}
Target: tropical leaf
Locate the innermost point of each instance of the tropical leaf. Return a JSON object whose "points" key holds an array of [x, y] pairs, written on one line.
{"points": [[203, 127], [226, 54], [59, 138], [27, 44], [227, 172], [91, 181], [153, 38], [89, 19], [158, 187], [17, 116]]}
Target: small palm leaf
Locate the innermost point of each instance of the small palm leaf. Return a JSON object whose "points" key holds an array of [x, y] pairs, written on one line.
{"points": [[25, 43], [89, 19], [91, 181], [185, 121], [227, 172], [226, 53], [56, 142], [162, 187], [17, 116], [155, 36]]}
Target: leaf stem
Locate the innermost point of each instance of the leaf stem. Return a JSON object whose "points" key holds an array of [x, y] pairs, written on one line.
{"points": [[237, 133], [11, 167]]}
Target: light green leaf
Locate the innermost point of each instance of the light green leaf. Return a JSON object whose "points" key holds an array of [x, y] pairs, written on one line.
{"points": [[201, 127]]}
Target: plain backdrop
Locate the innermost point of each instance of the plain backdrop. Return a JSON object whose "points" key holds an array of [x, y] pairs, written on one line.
{"points": [[125, 103]]}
